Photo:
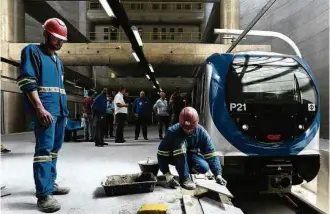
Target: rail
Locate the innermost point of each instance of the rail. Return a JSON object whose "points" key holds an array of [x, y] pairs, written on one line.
{"points": [[155, 6], [146, 36], [262, 33]]}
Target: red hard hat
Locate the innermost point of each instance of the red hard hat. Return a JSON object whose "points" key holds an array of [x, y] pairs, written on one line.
{"points": [[56, 27], [188, 119]]}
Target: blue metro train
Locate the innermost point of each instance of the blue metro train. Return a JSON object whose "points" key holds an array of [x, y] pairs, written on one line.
{"points": [[262, 111]]}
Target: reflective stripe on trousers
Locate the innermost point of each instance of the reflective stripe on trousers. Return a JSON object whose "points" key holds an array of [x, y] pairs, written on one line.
{"points": [[49, 141]]}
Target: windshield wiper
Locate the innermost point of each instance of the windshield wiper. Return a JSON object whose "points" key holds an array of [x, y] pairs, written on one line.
{"points": [[297, 90]]}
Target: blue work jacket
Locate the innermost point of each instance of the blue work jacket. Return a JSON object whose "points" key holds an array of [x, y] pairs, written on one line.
{"points": [[142, 106], [199, 142], [100, 104], [44, 73]]}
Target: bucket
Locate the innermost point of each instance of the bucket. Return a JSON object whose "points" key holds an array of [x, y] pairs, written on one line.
{"points": [[149, 166]]}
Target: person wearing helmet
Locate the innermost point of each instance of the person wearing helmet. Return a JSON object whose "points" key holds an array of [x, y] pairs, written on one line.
{"points": [[188, 147], [41, 81]]}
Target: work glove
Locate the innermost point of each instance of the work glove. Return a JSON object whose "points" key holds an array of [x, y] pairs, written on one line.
{"points": [[170, 181], [220, 180]]}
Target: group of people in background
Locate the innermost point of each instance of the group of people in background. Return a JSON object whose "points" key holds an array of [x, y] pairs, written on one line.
{"points": [[102, 111]]}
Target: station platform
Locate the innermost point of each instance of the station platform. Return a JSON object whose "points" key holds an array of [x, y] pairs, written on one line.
{"points": [[82, 166]]}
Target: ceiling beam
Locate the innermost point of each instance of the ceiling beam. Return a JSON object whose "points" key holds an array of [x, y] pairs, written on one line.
{"points": [[98, 54], [41, 11], [213, 22]]}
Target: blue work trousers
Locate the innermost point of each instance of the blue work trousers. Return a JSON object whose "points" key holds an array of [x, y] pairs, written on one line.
{"points": [[185, 163], [49, 141]]}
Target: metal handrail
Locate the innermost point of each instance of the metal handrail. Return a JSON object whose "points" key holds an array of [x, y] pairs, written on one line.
{"points": [[147, 6], [262, 33], [147, 36]]}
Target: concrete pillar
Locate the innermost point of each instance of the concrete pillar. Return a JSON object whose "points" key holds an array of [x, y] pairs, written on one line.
{"points": [[11, 30], [229, 17], [207, 12]]}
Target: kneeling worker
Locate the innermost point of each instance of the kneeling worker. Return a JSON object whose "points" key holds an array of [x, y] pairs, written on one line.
{"points": [[188, 146]]}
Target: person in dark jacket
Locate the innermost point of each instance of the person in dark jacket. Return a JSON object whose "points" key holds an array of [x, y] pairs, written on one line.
{"points": [[141, 110], [188, 146], [99, 110], [176, 104]]}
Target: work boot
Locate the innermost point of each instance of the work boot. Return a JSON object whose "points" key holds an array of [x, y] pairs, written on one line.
{"points": [[188, 184], [60, 190], [48, 204], [5, 150]]}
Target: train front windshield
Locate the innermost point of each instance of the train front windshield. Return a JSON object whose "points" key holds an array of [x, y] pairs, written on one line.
{"points": [[271, 99]]}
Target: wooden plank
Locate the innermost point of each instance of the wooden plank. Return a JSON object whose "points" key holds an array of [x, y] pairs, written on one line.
{"points": [[191, 205], [214, 186], [210, 206], [198, 191], [224, 199]]}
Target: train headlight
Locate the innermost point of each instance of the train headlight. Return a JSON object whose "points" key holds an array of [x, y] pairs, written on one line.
{"points": [[245, 127]]}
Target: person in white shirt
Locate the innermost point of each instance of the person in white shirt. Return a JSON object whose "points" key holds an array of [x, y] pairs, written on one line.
{"points": [[161, 108], [120, 115]]}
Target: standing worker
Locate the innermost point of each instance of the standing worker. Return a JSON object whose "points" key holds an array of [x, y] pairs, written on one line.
{"points": [[161, 108], [41, 81], [141, 110], [87, 108], [99, 110], [177, 104], [189, 148], [109, 117], [120, 114]]}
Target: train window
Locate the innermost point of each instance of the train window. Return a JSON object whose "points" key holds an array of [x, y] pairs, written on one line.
{"points": [[270, 80]]}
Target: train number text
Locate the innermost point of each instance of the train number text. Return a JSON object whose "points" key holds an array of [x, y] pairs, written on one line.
{"points": [[237, 106]]}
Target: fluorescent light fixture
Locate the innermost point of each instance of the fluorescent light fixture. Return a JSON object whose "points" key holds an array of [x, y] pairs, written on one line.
{"points": [[78, 86], [154, 86], [107, 8], [137, 35], [147, 76], [136, 57], [157, 82], [151, 69], [161, 89]]}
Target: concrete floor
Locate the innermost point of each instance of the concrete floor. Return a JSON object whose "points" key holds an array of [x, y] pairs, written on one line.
{"points": [[82, 166]]}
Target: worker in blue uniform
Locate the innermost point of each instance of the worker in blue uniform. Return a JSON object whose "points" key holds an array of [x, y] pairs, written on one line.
{"points": [[188, 147], [99, 111], [142, 111], [41, 81]]}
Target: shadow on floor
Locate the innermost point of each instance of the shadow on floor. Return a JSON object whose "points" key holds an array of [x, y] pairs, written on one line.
{"points": [[24, 193], [99, 193], [16, 154], [22, 206]]}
